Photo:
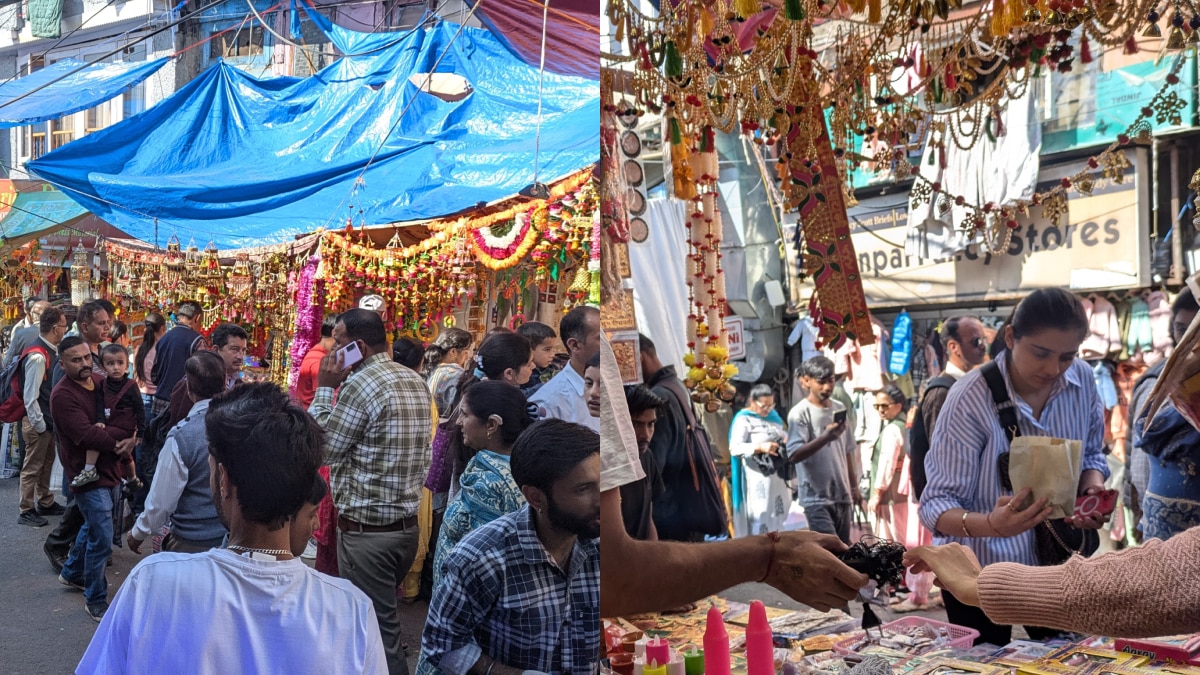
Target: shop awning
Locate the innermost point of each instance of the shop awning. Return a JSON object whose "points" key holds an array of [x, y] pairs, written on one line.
{"points": [[247, 161], [37, 209], [67, 87], [572, 32]]}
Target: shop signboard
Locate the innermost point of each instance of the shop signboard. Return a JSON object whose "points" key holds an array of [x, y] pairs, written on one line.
{"points": [[736, 333], [1101, 243], [1092, 105]]}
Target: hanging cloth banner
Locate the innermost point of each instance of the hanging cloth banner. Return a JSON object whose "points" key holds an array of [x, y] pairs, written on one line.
{"points": [[813, 186], [67, 87]]}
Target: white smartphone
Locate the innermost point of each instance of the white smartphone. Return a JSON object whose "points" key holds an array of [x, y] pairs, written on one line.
{"points": [[351, 355]]}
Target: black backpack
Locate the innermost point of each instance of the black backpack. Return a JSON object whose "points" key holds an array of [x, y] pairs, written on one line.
{"points": [[918, 438]]}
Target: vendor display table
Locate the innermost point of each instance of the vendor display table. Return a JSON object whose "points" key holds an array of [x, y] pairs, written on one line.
{"points": [[810, 642]]}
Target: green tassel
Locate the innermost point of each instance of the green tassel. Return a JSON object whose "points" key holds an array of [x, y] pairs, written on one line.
{"points": [[676, 132], [674, 60], [793, 10]]}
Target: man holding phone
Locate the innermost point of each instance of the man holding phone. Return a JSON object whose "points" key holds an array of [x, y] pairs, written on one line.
{"points": [[377, 447], [821, 445]]}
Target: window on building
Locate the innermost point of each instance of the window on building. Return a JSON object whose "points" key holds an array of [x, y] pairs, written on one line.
{"points": [[246, 41], [33, 140], [134, 101], [97, 118], [62, 131]]}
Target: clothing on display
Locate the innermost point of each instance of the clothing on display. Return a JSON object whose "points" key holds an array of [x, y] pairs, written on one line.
{"points": [[902, 345]]}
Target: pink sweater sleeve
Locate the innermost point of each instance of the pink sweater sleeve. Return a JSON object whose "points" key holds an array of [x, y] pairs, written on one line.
{"points": [[1143, 592]]}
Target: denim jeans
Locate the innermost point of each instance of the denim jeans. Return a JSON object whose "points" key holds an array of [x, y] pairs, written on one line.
{"points": [[93, 544]]}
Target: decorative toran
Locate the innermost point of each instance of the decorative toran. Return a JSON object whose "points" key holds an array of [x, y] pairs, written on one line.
{"points": [[898, 76], [426, 282]]}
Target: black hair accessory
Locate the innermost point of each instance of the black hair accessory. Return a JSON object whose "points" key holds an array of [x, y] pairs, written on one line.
{"points": [[882, 561]]}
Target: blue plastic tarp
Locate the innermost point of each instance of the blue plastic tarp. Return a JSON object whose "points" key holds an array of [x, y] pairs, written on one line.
{"points": [[36, 212], [64, 91], [246, 161]]}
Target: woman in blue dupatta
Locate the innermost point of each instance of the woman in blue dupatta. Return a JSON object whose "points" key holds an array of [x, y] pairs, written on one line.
{"points": [[757, 438], [492, 414]]}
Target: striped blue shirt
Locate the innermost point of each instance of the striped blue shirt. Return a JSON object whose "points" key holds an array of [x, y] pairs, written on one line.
{"points": [[968, 439]]}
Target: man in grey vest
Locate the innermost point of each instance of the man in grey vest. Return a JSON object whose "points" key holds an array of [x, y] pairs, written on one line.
{"points": [[181, 490]]}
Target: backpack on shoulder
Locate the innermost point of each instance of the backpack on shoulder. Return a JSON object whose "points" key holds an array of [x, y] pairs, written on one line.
{"points": [[920, 438], [12, 407]]}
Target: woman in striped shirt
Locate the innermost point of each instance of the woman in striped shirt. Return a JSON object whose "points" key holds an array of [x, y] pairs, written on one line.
{"points": [[1054, 395]]}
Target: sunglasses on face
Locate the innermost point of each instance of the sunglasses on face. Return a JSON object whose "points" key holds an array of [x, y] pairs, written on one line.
{"points": [[977, 343], [884, 406]]}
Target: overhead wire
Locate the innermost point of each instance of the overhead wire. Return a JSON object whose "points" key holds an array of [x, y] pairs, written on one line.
{"points": [[537, 138], [99, 59]]}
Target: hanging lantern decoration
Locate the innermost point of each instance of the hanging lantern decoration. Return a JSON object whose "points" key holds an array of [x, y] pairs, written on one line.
{"points": [[241, 280], [81, 277]]}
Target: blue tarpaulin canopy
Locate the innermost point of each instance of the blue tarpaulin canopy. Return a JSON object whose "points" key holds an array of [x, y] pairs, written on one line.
{"points": [[75, 91], [247, 161]]}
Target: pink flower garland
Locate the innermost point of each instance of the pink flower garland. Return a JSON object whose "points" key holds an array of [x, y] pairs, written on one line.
{"points": [[310, 312]]}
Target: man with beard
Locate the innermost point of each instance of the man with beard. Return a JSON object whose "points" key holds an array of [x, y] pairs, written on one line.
{"points": [[252, 606], [637, 498], [522, 593], [73, 406]]}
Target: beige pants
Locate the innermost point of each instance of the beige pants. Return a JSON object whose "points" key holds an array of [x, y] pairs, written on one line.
{"points": [[35, 471]]}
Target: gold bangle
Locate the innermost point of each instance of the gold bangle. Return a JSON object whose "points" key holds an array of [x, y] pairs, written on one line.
{"points": [[964, 524]]}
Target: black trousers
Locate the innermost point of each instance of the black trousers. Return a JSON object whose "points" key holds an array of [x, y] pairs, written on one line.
{"points": [[61, 538], [994, 634]]}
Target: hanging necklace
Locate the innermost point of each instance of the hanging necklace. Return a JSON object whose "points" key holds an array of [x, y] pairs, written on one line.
{"points": [[268, 551]]}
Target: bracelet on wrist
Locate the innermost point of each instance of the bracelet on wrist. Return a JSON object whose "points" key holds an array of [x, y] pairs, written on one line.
{"points": [[966, 531], [773, 537]]}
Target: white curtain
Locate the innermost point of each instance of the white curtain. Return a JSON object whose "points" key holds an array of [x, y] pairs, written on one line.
{"points": [[660, 279], [1001, 172]]}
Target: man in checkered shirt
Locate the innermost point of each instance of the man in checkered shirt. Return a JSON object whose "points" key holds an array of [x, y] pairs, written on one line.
{"points": [[377, 448], [521, 594]]}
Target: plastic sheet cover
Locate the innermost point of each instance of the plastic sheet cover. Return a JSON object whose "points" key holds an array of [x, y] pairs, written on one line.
{"points": [[246, 162], [72, 93]]}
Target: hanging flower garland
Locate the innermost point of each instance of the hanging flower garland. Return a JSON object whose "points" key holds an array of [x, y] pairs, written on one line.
{"points": [[709, 370], [310, 310], [504, 251]]}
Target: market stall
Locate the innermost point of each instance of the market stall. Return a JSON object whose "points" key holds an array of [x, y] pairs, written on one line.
{"points": [[500, 265], [807, 642]]}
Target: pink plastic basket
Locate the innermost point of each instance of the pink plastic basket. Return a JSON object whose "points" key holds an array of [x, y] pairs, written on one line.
{"points": [[961, 638]]}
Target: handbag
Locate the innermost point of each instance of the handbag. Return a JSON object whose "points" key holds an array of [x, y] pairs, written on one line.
{"points": [[1055, 541], [704, 510]]}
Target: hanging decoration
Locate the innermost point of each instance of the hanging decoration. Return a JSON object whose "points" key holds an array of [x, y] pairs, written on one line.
{"points": [[707, 359]]}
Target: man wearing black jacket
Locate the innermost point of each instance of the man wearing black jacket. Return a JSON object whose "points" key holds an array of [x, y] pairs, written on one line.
{"points": [[690, 506], [172, 351]]}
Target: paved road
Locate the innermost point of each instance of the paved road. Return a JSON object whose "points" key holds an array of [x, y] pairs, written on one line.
{"points": [[43, 626]]}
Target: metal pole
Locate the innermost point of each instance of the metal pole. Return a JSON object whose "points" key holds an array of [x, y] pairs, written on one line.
{"points": [[1176, 237]]}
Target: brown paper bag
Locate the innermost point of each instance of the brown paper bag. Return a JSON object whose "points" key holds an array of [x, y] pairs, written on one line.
{"points": [[1050, 467]]}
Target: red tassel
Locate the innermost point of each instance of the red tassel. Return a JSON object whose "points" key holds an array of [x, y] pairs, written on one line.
{"points": [[951, 81], [1085, 51], [1131, 45]]}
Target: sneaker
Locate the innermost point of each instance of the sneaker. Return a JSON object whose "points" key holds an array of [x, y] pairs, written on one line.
{"points": [[56, 561], [310, 551], [86, 476], [32, 519], [54, 509], [67, 582], [97, 610]]}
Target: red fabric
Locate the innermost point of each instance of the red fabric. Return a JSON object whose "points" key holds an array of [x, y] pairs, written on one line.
{"points": [[326, 532], [73, 410], [306, 384], [572, 32]]}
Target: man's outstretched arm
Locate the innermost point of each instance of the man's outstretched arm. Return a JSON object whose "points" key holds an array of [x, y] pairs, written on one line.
{"points": [[649, 576]]}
